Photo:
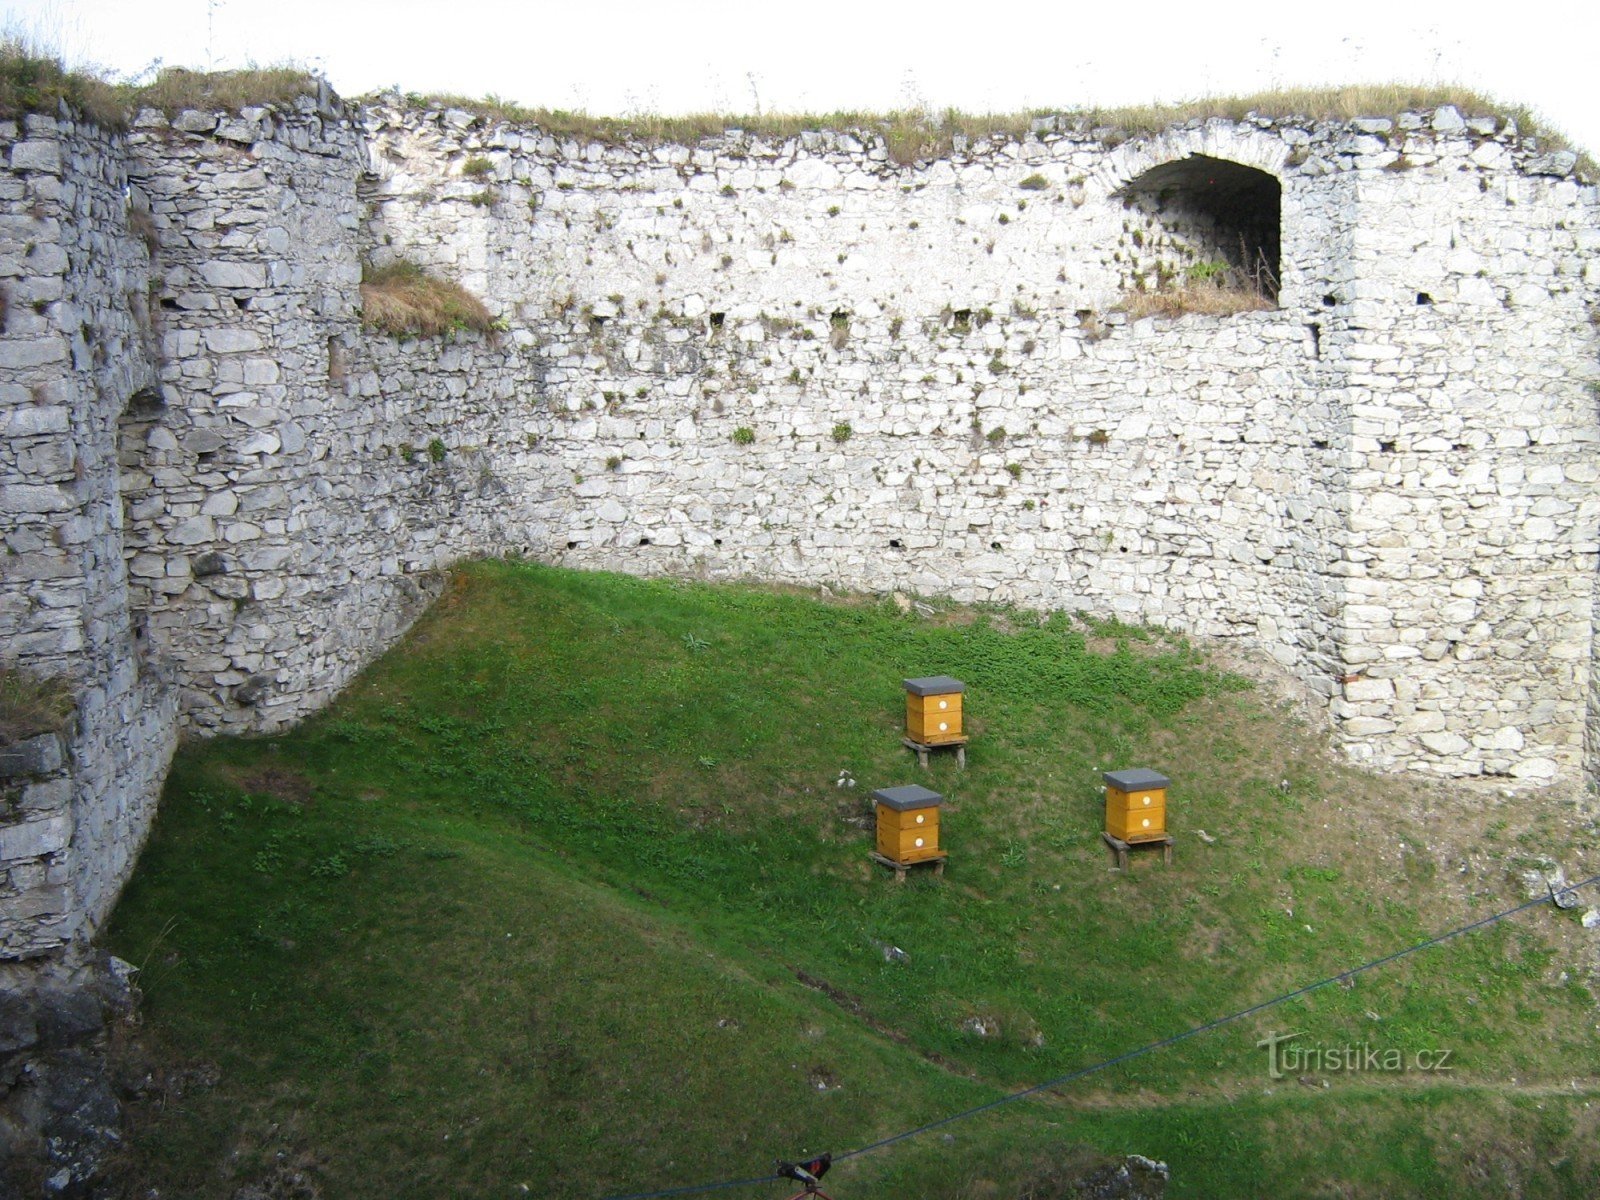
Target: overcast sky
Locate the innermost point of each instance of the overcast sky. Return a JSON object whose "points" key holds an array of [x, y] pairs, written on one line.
{"points": [[664, 56]]}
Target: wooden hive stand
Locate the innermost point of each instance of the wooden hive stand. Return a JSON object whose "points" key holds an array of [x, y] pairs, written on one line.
{"points": [[933, 718], [1119, 848]]}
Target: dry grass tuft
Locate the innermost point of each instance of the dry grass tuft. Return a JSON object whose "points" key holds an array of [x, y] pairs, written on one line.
{"points": [[910, 135], [30, 705], [32, 81], [1317, 104], [176, 89], [404, 300], [1195, 298]]}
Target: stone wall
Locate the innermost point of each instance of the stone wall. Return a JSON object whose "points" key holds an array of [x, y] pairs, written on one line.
{"points": [[270, 557], [795, 361], [1468, 552], [73, 354], [1382, 481]]}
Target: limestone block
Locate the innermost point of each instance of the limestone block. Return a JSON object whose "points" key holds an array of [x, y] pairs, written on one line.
{"points": [[38, 755], [193, 531], [225, 274], [33, 839], [29, 499], [232, 341], [1362, 727], [17, 354], [1445, 744], [193, 121], [1536, 769], [37, 156], [34, 420]]}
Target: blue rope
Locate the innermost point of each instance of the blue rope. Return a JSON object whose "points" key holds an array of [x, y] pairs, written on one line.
{"points": [[1126, 1056]]}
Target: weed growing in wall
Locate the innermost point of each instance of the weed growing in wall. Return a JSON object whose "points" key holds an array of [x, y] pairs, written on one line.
{"points": [[30, 705]]}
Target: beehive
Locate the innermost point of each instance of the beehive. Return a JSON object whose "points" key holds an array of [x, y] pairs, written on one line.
{"points": [[908, 823], [933, 709], [1136, 805]]}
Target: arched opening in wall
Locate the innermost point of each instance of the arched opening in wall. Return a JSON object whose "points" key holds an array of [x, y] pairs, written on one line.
{"points": [[1200, 222]]}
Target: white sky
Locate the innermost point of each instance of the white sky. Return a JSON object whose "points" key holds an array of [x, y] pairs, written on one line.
{"points": [[674, 56]]}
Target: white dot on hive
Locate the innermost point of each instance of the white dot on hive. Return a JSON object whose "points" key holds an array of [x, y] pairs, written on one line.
{"points": [[919, 841], [1147, 822], [943, 727]]}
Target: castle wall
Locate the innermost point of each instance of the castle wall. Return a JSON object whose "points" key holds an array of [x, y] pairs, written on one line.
{"points": [[1468, 554], [77, 803], [268, 546], [1348, 480], [794, 361]]}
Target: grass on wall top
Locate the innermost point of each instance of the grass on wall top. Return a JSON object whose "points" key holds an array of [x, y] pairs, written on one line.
{"points": [[176, 89], [912, 135], [31, 81], [34, 80]]}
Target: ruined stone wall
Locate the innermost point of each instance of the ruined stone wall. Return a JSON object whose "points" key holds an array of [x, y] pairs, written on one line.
{"points": [[269, 546], [796, 361], [1382, 481], [1468, 555], [73, 352]]}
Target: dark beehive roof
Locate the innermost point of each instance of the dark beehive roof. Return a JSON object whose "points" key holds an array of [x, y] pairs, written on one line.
{"points": [[1135, 780], [910, 795]]}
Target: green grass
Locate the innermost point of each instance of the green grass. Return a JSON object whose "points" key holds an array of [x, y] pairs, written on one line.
{"points": [[177, 88], [562, 893], [34, 80]]}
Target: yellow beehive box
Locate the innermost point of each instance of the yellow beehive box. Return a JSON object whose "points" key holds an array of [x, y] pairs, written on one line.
{"points": [[908, 823], [933, 709], [1136, 805]]}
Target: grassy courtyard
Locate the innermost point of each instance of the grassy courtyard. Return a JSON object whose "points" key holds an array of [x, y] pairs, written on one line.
{"points": [[563, 898]]}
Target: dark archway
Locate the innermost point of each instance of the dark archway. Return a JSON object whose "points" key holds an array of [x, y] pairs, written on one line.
{"points": [[1228, 211]]}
